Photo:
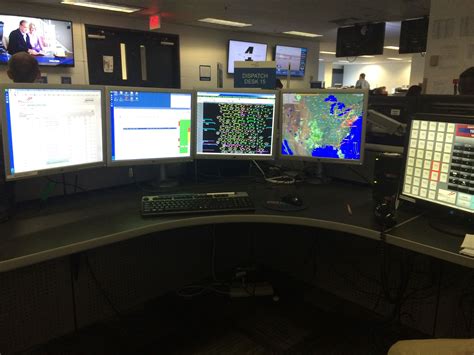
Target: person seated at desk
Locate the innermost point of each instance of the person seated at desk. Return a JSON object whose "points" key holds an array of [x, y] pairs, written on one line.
{"points": [[414, 90], [23, 68], [466, 82], [36, 41], [19, 40]]}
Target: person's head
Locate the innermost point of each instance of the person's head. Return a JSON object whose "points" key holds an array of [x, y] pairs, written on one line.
{"points": [[362, 76], [23, 68], [32, 27], [466, 82], [414, 90], [23, 26], [278, 84]]}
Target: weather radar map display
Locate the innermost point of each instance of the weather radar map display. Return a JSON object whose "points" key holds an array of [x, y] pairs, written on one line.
{"points": [[323, 125], [235, 124]]}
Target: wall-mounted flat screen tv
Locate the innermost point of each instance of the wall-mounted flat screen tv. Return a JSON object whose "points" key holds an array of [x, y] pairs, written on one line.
{"points": [[413, 35], [49, 41], [367, 39], [245, 51], [290, 57]]}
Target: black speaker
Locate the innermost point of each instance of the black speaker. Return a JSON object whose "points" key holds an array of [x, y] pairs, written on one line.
{"points": [[387, 172]]}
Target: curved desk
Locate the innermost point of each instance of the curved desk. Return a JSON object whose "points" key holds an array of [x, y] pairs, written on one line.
{"points": [[76, 223]]}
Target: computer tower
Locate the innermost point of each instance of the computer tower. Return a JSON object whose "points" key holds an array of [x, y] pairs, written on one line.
{"points": [[387, 171]]}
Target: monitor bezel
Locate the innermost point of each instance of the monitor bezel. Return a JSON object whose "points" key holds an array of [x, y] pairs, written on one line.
{"points": [[147, 161], [326, 92], [272, 156], [52, 19], [418, 201], [238, 40], [52, 171], [305, 61]]}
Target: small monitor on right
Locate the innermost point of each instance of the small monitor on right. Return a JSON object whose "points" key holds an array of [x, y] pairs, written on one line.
{"points": [[324, 125], [439, 167]]}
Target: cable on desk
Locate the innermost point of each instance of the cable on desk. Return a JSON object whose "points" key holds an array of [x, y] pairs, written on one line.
{"points": [[282, 179]]}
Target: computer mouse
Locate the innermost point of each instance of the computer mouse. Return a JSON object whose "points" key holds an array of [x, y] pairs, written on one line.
{"points": [[292, 200]]}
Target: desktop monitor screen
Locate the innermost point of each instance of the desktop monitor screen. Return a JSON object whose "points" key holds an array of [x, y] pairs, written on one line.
{"points": [[50, 41], [146, 126], [439, 161], [324, 125], [245, 51], [292, 57], [51, 129], [235, 124]]}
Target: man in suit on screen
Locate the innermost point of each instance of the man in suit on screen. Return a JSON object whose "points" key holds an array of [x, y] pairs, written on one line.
{"points": [[18, 40]]}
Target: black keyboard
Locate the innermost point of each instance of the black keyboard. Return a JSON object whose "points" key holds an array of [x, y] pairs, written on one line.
{"points": [[196, 203]]}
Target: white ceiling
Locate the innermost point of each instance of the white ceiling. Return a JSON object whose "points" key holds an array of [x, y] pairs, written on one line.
{"points": [[276, 16]]}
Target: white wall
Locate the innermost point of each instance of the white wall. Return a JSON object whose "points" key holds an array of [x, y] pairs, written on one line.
{"points": [[451, 41], [417, 69], [390, 75], [198, 46]]}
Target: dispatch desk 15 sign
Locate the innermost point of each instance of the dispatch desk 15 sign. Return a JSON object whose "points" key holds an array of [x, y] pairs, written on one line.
{"points": [[323, 125]]}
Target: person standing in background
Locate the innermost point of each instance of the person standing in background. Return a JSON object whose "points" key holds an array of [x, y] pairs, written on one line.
{"points": [[362, 83]]}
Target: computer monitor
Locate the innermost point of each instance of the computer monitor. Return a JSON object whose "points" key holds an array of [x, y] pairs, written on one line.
{"points": [[147, 126], [51, 129], [439, 166], [324, 125], [236, 124]]}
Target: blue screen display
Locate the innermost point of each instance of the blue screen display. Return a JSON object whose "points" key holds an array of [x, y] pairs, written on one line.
{"points": [[323, 125]]}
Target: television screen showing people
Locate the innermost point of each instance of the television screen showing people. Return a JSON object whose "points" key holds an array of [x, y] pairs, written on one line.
{"points": [[440, 162], [235, 124], [324, 124], [292, 58], [49, 41], [148, 125], [50, 130]]}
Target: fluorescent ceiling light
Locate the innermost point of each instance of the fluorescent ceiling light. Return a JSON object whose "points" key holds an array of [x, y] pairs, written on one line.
{"points": [[392, 47], [367, 56], [303, 34], [216, 21], [321, 59], [101, 6], [326, 52], [395, 58]]}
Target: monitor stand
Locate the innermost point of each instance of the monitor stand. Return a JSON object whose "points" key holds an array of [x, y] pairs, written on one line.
{"points": [[457, 226], [164, 182], [319, 177]]}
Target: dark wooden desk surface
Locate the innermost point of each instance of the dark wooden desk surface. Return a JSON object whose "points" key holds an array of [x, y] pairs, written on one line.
{"points": [[80, 222]]}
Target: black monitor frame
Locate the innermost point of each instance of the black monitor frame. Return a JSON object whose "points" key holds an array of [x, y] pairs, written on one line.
{"points": [[436, 208]]}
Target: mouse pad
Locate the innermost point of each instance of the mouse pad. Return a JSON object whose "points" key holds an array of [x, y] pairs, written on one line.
{"points": [[282, 206]]}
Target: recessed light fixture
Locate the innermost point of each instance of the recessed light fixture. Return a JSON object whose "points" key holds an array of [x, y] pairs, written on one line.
{"points": [[392, 47], [321, 59], [326, 52], [303, 34], [395, 58], [217, 21], [367, 56], [101, 6]]}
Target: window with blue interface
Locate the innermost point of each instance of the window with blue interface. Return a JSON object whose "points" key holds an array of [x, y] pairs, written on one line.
{"points": [[148, 125], [49, 130], [235, 124], [323, 125]]}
